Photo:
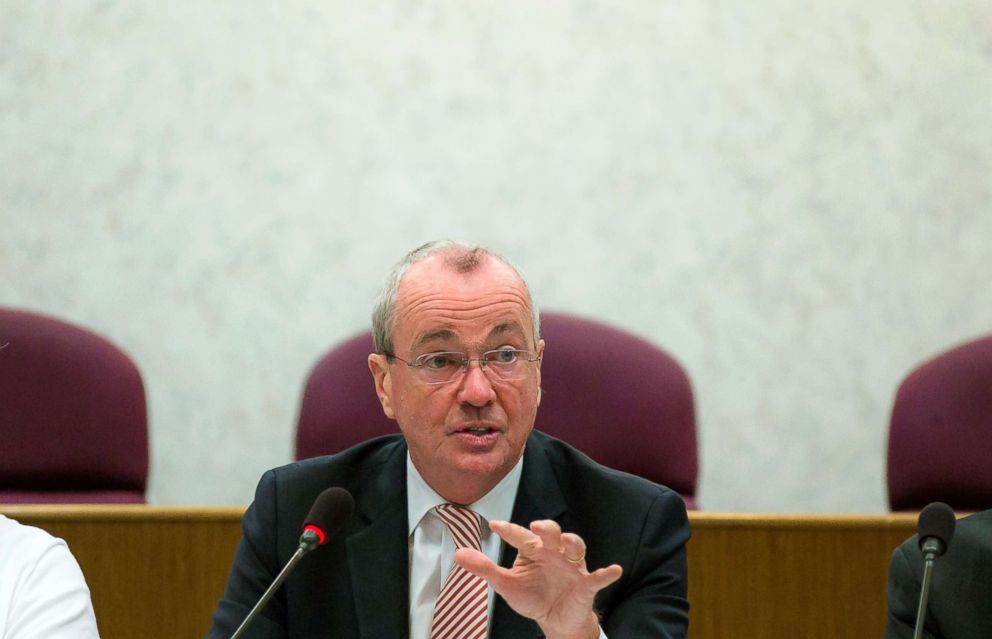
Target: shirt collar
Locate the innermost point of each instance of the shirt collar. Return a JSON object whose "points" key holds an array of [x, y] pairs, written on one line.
{"points": [[496, 505]]}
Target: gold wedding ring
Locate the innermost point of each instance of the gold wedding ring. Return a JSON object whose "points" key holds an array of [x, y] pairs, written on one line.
{"points": [[576, 562]]}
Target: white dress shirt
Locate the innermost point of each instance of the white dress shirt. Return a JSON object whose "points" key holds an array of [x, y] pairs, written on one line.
{"points": [[432, 548], [42, 591]]}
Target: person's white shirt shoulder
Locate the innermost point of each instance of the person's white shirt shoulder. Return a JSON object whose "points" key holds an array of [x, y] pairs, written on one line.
{"points": [[42, 590]]}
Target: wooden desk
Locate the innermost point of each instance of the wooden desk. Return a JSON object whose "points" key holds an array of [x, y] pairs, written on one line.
{"points": [[153, 572], [157, 572], [788, 576]]}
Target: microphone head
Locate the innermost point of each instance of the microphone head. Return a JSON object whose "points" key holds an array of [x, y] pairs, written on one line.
{"points": [[936, 521], [330, 512]]}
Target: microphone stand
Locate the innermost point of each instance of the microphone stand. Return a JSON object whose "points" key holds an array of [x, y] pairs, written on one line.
{"points": [[930, 550], [308, 542]]}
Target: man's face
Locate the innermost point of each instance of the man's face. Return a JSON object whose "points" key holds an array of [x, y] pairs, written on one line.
{"points": [[465, 435]]}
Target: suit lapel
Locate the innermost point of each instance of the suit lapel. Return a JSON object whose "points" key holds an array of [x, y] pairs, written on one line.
{"points": [[378, 555], [538, 497]]}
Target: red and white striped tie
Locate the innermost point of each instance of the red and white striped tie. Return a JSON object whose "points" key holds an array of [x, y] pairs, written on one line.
{"points": [[462, 608]]}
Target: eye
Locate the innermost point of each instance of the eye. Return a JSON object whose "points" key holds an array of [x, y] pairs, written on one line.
{"points": [[503, 356], [439, 361]]}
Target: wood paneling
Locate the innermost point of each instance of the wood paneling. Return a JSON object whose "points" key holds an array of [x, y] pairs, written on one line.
{"points": [[153, 572], [158, 572], [787, 576]]}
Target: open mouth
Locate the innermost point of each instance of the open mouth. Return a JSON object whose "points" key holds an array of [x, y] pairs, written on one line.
{"points": [[478, 431], [477, 435]]}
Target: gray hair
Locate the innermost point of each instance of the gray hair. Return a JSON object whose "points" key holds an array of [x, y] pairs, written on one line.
{"points": [[465, 258]]}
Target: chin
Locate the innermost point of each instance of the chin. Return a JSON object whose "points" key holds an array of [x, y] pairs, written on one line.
{"points": [[484, 465]]}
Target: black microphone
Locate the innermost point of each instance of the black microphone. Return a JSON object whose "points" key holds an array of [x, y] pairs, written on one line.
{"points": [[329, 513], [935, 528]]}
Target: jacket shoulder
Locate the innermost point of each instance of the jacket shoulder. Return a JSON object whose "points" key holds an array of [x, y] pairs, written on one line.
{"points": [[343, 468], [572, 466]]}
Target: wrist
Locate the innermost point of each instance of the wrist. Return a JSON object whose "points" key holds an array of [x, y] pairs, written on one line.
{"points": [[589, 629]]}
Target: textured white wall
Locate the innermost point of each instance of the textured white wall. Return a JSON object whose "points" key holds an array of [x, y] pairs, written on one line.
{"points": [[792, 198]]}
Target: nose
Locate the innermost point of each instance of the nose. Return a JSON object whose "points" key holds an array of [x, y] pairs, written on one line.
{"points": [[475, 387]]}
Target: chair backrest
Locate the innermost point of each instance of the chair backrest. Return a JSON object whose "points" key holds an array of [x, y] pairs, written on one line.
{"points": [[616, 397], [339, 407], [940, 435], [72, 415]]}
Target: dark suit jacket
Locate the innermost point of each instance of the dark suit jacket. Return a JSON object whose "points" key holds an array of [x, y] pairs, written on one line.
{"points": [[960, 602], [358, 584]]}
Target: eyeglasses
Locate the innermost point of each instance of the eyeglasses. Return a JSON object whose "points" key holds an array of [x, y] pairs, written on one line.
{"points": [[504, 364]]}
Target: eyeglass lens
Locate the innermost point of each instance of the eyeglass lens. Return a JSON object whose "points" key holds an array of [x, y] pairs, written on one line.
{"points": [[439, 368]]}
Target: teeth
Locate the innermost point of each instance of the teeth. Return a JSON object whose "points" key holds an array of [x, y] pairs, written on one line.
{"points": [[478, 431]]}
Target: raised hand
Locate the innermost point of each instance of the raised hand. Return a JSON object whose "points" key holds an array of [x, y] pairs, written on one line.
{"points": [[548, 582]]}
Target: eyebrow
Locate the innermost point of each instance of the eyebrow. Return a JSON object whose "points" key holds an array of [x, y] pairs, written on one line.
{"points": [[437, 334], [507, 327], [448, 334]]}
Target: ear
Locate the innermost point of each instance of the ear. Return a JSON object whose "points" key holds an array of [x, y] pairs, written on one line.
{"points": [[379, 367], [540, 353]]}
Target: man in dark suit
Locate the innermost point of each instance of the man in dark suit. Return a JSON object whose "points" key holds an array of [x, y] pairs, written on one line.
{"points": [[960, 603], [457, 365]]}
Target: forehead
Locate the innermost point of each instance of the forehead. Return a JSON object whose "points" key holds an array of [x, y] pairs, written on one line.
{"points": [[436, 302]]}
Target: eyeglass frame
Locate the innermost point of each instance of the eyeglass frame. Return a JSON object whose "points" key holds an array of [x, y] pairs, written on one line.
{"points": [[466, 362]]}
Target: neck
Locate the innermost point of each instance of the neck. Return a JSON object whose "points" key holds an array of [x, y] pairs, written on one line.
{"points": [[462, 490], [463, 493]]}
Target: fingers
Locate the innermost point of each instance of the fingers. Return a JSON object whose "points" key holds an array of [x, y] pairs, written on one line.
{"points": [[568, 544], [478, 564], [574, 548], [543, 534], [526, 542], [605, 576], [550, 533]]}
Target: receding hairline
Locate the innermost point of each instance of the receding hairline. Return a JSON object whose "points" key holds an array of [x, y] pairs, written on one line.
{"points": [[454, 256], [463, 266], [465, 263]]}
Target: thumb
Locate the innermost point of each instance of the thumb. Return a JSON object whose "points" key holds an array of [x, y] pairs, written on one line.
{"points": [[605, 576]]}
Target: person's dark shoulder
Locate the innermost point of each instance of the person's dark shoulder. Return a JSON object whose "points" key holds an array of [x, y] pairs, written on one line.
{"points": [[970, 533], [291, 489], [976, 528], [346, 467], [611, 495], [968, 560], [959, 602], [572, 466]]}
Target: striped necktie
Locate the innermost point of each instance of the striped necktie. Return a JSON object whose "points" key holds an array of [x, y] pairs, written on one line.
{"points": [[462, 608]]}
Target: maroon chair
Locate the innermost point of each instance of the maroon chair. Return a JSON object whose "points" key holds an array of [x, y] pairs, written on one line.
{"points": [[73, 423], [940, 435], [618, 398], [339, 407]]}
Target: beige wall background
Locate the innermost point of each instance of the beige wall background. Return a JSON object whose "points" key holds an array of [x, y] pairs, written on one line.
{"points": [[791, 198]]}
